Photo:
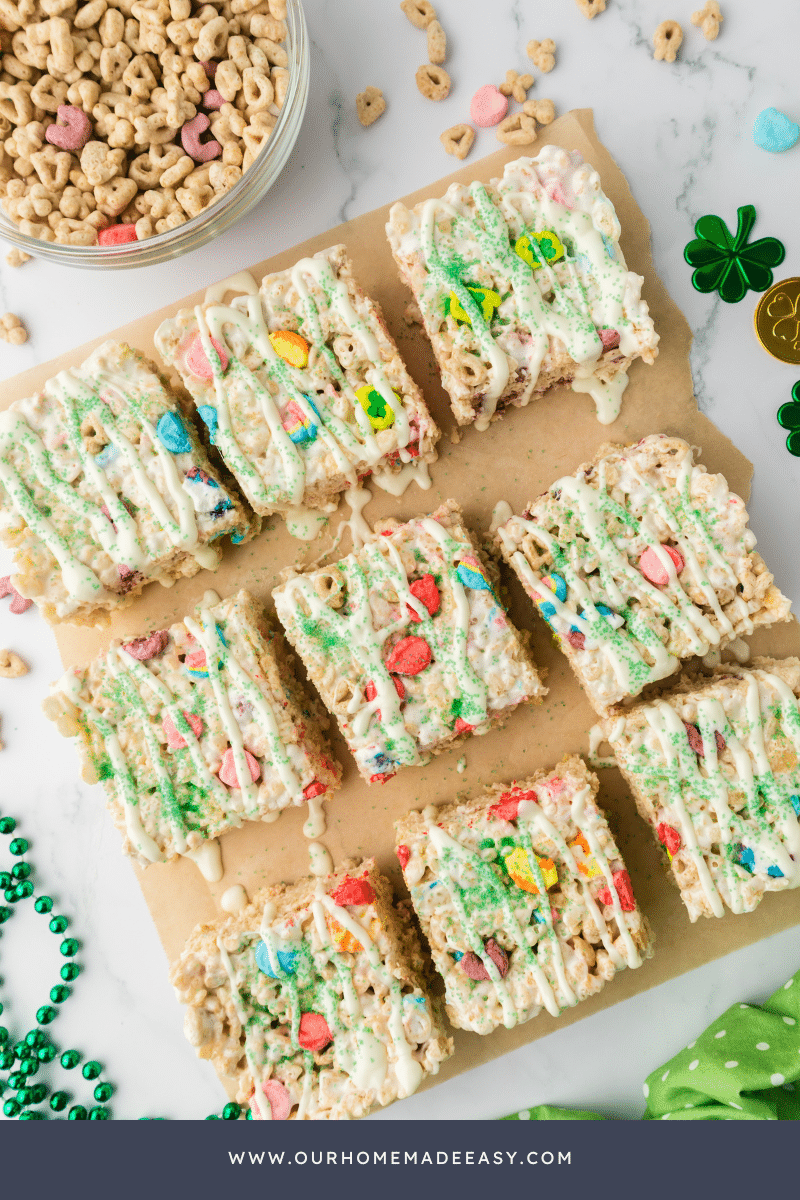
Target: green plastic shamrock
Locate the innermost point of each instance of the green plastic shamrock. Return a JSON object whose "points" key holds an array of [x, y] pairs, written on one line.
{"points": [[789, 418], [729, 265]]}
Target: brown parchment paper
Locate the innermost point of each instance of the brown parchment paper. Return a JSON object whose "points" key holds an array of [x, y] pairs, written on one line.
{"points": [[517, 458]]}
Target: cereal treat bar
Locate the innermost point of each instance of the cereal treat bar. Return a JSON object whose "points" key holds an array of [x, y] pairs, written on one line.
{"points": [[638, 560], [523, 897], [300, 385], [714, 770], [105, 486], [195, 729], [522, 285], [312, 999], [408, 643]]}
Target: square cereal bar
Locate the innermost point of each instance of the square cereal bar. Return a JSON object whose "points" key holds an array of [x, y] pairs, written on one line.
{"points": [[407, 642], [638, 560], [105, 486], [301, 385], [172, 721], [522, 285], [312, 999], [714, 769], [523, 897]]}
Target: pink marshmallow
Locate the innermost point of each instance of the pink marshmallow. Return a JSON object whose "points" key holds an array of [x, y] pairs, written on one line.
{"points": [[145, 648], [227, 771], [210, 68], [653, 568], [19, 604], [71, 130], [197, 361], [176, 740], [488, 106], [117, 235], [190, 140], [279, 1100], [213, 99]]}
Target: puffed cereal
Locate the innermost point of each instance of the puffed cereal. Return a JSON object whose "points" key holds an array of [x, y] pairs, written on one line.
{"points": [[590, 8], [11, 665], [12, 330], [458, 140], [708, 19], [542, 54], [370, 105], [16, 257], [517, 130], [542, 111], [433, 82], [517, 85], [667, 41], [437, 43], [419, 12]]}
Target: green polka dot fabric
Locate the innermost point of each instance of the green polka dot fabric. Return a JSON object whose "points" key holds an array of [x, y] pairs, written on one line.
{"points": [[744, 1067]]}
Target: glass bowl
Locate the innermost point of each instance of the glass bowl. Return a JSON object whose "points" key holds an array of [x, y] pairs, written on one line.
{"points": [[218, 217]]}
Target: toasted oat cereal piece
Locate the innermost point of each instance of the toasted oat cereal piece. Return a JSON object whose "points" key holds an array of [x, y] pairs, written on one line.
{"points": [[105, 487], [542, 111], [195, 729], [11, 665], [407, 642], [516, 85], [437, 43], [523, 897], [433, 82], [16, 257], [370, 105], [419, 12], [517, 279], [518, 129], [301, 386], [313, 999], [542, 54], [458, 140], [637, 560], [590, 8], [709, 18], [667, 41], [12, 330], [713, 766]]}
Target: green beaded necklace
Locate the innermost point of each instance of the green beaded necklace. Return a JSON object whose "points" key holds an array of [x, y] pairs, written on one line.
{"points": [[23, 1059]]}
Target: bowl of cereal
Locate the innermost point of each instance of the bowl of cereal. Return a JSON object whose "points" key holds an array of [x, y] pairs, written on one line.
{"points": [[135, 133]]}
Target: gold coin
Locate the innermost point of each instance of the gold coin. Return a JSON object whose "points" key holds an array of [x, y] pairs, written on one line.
{"points": [[778, 320]]}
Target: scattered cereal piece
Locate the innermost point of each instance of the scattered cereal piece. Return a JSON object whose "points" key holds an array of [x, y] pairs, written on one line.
{"points": [[667, 41], [517, 85], [201, 152], [708, 19], [437, 43], [370, 105], [517, 130], [16, 257], [488, 106], [433, 82], [590, 8], [773, 131], [542, 111], [458, 140], [542, 54], [12, 330], [19, 604], [419, 12], [71, 130], [11, 665], [412, 315]]}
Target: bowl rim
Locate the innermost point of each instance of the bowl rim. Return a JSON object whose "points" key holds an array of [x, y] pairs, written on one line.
{"points": [[218, 217]]}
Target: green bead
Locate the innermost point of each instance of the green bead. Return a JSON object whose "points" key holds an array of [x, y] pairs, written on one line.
{"points": [[60, 993], [58, 924], [32, 1116], [91, 1069], [5, 879], [4, 1035], [69, 947], [7, 1059], [231, 1111], [17, 1080], [21, 1049], [34, 1038], [5, 913], [43, 904], [46, 1014], [10, 894], [29, 1066], [46, 1054], [7, 824], [23, 890], [77, 1113], [1, 1009], [70, 1059], [99, 1113], [18, 846], [213, 1117], [59, 1101], [25, 1096], [11, 1108], [39, 1091], [103, 1092], [70, 971], [249, 1116], [21, 870]]}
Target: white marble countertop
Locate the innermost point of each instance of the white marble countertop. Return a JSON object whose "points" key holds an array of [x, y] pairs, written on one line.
{"points": [[682, 135]]}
